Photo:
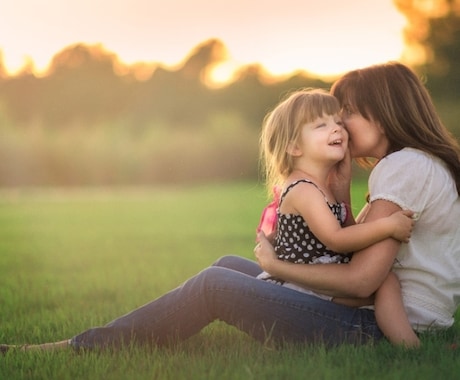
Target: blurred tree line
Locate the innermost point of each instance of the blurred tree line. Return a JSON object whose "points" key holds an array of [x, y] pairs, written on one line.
{"points": [[86, 84], [140, 112], [90, 120]]}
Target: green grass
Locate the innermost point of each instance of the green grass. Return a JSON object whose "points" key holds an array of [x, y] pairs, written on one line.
{"points": [[72, 259]]}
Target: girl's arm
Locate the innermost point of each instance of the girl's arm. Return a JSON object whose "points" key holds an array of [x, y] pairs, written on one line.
{"points": [[309, 202], [359, 278]]}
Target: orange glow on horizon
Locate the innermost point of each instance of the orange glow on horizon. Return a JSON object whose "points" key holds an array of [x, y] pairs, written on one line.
{"points": [[324, 39]]}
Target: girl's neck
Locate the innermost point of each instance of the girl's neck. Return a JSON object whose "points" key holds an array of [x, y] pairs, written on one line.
{"points": [[317, 175], [319, 180]]}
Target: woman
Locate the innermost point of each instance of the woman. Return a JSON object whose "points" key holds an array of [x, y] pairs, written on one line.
{"points": [[390, 117], [302, 141]]}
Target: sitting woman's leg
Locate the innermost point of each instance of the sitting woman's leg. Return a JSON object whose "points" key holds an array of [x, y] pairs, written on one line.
{"points": [[263, 310], [213, 294]]}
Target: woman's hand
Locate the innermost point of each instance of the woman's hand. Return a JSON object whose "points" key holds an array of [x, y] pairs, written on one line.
{"points": [[264, 252]]}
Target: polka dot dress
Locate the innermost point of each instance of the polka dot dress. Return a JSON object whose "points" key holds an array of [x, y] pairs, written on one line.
{"points": [[296, 243]]}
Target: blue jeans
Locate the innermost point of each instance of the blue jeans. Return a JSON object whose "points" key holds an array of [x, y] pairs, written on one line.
{"points": [[228, 291]]}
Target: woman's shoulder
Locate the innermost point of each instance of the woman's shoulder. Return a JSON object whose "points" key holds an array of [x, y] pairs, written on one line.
{"points": [[406, 175], [408, 159], [408, 154]]}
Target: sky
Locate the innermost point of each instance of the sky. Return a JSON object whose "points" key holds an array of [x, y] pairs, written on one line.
{"points": [[323, 37]]}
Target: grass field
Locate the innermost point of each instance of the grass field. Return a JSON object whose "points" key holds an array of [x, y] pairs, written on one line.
{"points": [[72, 259]]}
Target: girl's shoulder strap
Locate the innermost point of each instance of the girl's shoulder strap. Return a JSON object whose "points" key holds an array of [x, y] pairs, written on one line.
{"points": [[286, 191]]}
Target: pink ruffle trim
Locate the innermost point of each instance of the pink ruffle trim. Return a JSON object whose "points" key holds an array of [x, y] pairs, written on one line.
{"points": [[269, 217]]}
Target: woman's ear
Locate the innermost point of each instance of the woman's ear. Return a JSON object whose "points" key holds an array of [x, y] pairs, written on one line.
{"points": [[293, 150], [381, 129]]}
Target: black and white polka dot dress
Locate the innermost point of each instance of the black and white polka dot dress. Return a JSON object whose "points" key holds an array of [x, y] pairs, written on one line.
{"points": [[296, 243]]}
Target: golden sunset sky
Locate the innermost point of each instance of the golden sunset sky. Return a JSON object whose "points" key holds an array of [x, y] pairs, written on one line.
{"points": [[325, 37]]}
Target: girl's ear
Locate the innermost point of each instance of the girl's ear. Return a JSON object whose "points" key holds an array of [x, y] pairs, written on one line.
{"points": [[293, 150]]}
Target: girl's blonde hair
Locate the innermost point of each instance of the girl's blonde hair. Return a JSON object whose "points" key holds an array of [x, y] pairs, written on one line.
{"points": [[393, 96], [282, 126]]}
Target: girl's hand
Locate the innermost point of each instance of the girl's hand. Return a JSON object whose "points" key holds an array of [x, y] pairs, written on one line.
{"points": [[340, 179], [264, 252], [403, 222], [271, 237]]}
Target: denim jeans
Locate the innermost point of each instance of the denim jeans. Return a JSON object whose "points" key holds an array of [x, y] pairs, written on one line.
{"points": [[228, 291]]}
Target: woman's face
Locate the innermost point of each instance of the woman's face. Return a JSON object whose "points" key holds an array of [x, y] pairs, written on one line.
{"points": [[366, 138]]}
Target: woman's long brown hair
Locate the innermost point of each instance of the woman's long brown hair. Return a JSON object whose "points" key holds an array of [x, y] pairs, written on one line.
{"points": [[392, 95]]}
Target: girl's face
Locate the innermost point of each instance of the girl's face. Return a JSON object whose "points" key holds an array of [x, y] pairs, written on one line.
{"points": [[324, 139], [366, 138]]}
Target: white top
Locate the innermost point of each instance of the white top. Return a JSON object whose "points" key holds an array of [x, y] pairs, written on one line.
{"points": [[428, 267]]}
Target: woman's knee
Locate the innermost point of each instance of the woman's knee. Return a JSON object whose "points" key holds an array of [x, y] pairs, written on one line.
{"points": [[227, 261], [239, 264]]}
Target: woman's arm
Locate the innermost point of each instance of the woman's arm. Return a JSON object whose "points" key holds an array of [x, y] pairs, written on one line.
{"points": [[308, 201], [360, 278]]}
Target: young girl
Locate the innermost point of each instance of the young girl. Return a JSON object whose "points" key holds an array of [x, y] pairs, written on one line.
{"points": [[302, 141]]}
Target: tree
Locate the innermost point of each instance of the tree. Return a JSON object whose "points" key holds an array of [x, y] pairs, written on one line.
{"points": [[433, 42]]}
